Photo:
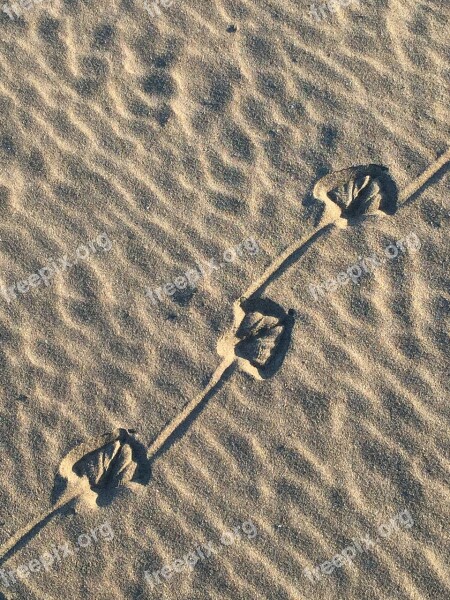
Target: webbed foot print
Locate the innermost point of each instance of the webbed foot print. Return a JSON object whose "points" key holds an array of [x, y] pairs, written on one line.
{"points": [[112, 465], [357, 191], [260, 337], [90, 476], [103, 464]]}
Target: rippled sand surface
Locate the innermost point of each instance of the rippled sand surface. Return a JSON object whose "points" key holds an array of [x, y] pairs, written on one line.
{"points": [[134, 147]]}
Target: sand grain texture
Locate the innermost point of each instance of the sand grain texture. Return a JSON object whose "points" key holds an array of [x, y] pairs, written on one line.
{"points": [[179, 136]]}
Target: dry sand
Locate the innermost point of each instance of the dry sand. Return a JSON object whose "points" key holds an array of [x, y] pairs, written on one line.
{"points": [[160, 141]]}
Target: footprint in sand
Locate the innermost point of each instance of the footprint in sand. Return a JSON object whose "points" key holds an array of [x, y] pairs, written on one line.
{"points": [[358, 191], [90, 475], [258, 341]]}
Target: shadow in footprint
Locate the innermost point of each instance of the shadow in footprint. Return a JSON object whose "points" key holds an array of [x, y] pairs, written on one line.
{"points": [[359, 191], [121, 459], [90, 475], [264, 335]]}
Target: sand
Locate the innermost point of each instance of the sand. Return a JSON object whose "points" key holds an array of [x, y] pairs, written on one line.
{"points": [[273, 432]]}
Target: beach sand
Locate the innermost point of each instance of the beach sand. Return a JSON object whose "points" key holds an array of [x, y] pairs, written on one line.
{"points": [[134, 148]]}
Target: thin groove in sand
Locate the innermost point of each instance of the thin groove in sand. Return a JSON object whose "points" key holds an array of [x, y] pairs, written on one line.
{"points": [[418, 183], [230, 360], [327, 224]]}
